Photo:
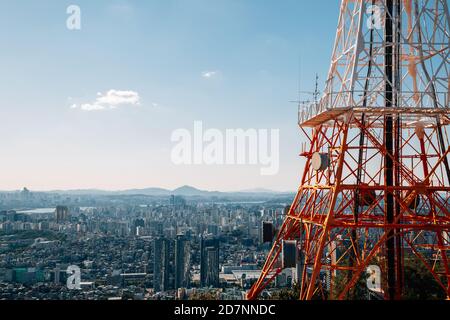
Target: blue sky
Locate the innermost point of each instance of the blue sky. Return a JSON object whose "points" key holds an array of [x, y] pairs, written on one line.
{"points": [[160, 49]]}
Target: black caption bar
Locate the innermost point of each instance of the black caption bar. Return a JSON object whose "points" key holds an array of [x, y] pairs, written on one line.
{"points": [[235, 310]]}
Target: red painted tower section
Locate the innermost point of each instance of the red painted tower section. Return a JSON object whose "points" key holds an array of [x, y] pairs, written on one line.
{"points": [[375, 189]]}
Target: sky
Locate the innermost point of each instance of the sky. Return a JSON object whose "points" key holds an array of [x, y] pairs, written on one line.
{"points": [[96, 107]]}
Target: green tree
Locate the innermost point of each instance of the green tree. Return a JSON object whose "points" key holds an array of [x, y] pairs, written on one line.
{"points": [[420, 283], [287, 293]]}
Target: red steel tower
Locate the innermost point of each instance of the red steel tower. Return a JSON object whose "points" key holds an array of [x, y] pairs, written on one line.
{"points": [[376, 185]]}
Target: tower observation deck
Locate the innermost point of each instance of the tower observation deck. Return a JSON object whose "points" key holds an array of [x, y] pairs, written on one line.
{"points": [[419, 52]]}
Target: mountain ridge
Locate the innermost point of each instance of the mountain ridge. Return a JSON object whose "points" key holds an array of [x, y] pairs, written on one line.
{"points": [[186, 190]]}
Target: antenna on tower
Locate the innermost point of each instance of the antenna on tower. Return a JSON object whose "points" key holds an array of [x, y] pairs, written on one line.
{"points": [[314, 94], [316, 90]]}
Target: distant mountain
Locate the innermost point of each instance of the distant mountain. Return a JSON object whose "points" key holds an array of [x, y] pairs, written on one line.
{"points": [[189, 191], [146, 191], [186, 191]]}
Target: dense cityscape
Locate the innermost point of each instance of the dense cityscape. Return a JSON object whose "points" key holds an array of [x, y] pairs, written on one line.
{"points": [[140, 247]]}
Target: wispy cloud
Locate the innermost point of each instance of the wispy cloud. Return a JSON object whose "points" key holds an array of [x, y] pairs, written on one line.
{"points": [[112, 99], [209, 74]]}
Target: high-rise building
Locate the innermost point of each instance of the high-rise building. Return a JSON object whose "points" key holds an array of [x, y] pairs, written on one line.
{"points": [[213, 229], [182, 262], [61, 214], [267, 232], [212, 267], [209, 262], [177, 201], [161, 269]]}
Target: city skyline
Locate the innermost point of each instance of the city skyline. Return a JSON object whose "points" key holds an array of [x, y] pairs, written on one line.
{"points": [[169, 248], [96, 107]]}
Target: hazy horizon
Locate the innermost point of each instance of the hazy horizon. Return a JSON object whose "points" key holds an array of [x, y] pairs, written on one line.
{"points": [[256, 189]]}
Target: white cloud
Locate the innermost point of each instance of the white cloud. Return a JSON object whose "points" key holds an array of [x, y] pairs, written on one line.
{"points": [[112, 99], [209, 74], [117, 98], [92, 107]]}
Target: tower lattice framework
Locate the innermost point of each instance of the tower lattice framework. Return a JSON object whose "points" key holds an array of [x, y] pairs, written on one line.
{"points": [[376, 183]]}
